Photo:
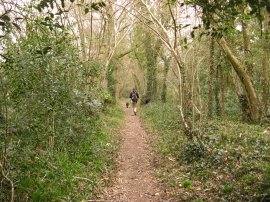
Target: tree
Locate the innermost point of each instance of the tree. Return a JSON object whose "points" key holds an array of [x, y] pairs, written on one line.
{"points": [[214, 16], [166, 66], [265, 63], [211, 76]]}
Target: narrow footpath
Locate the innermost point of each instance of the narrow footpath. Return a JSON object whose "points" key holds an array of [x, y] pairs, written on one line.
{"points": [[135, 180]]}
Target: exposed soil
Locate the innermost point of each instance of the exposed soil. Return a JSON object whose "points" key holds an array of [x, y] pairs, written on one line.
{"points": [[135, 180]]}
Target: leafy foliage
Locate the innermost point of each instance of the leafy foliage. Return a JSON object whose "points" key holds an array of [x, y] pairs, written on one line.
{"points": [[61, 145], [69, 172], [186, 184], [218, 17], [228, 160]]}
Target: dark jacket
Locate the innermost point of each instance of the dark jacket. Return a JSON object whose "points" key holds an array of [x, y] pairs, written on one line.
{"points": [[136, 97]]}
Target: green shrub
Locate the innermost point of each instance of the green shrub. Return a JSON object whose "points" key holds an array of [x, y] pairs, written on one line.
{"points": [[266, 184], [186, 184], [193, 151], [63, 144], [228, 188], [224, 151]]}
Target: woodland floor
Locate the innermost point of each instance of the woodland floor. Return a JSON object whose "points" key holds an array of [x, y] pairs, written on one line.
{"points": [[135, 180]]}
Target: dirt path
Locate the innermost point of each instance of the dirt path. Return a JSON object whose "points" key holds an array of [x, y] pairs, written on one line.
{"points": [[135, 180]]}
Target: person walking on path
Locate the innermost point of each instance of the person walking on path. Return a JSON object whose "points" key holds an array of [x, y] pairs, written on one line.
{"points": [[134, 96]]}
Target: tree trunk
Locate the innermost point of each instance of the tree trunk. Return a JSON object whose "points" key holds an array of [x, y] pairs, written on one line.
{"points": [[165, 75], [243, 97], [222, 91], [217, 90], [265, 64], [220, 87], [110, 40], [245, 80], [211, 77], [152, 51], [247, 45], [111, 82], [91, 32], [80, 24]]}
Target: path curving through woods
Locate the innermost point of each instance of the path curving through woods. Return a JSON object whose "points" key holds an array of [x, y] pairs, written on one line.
{"points": [[135, 180]]}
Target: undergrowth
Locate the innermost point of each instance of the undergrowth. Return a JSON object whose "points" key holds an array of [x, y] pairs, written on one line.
{"points": [[72, 169], [228, 161]]}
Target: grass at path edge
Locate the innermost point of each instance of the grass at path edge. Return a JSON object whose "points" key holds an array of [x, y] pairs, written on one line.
{"points": [[232, 164], [73, 170]]}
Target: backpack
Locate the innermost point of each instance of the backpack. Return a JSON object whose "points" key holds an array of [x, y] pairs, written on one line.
{"points": [[134, 96]]}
